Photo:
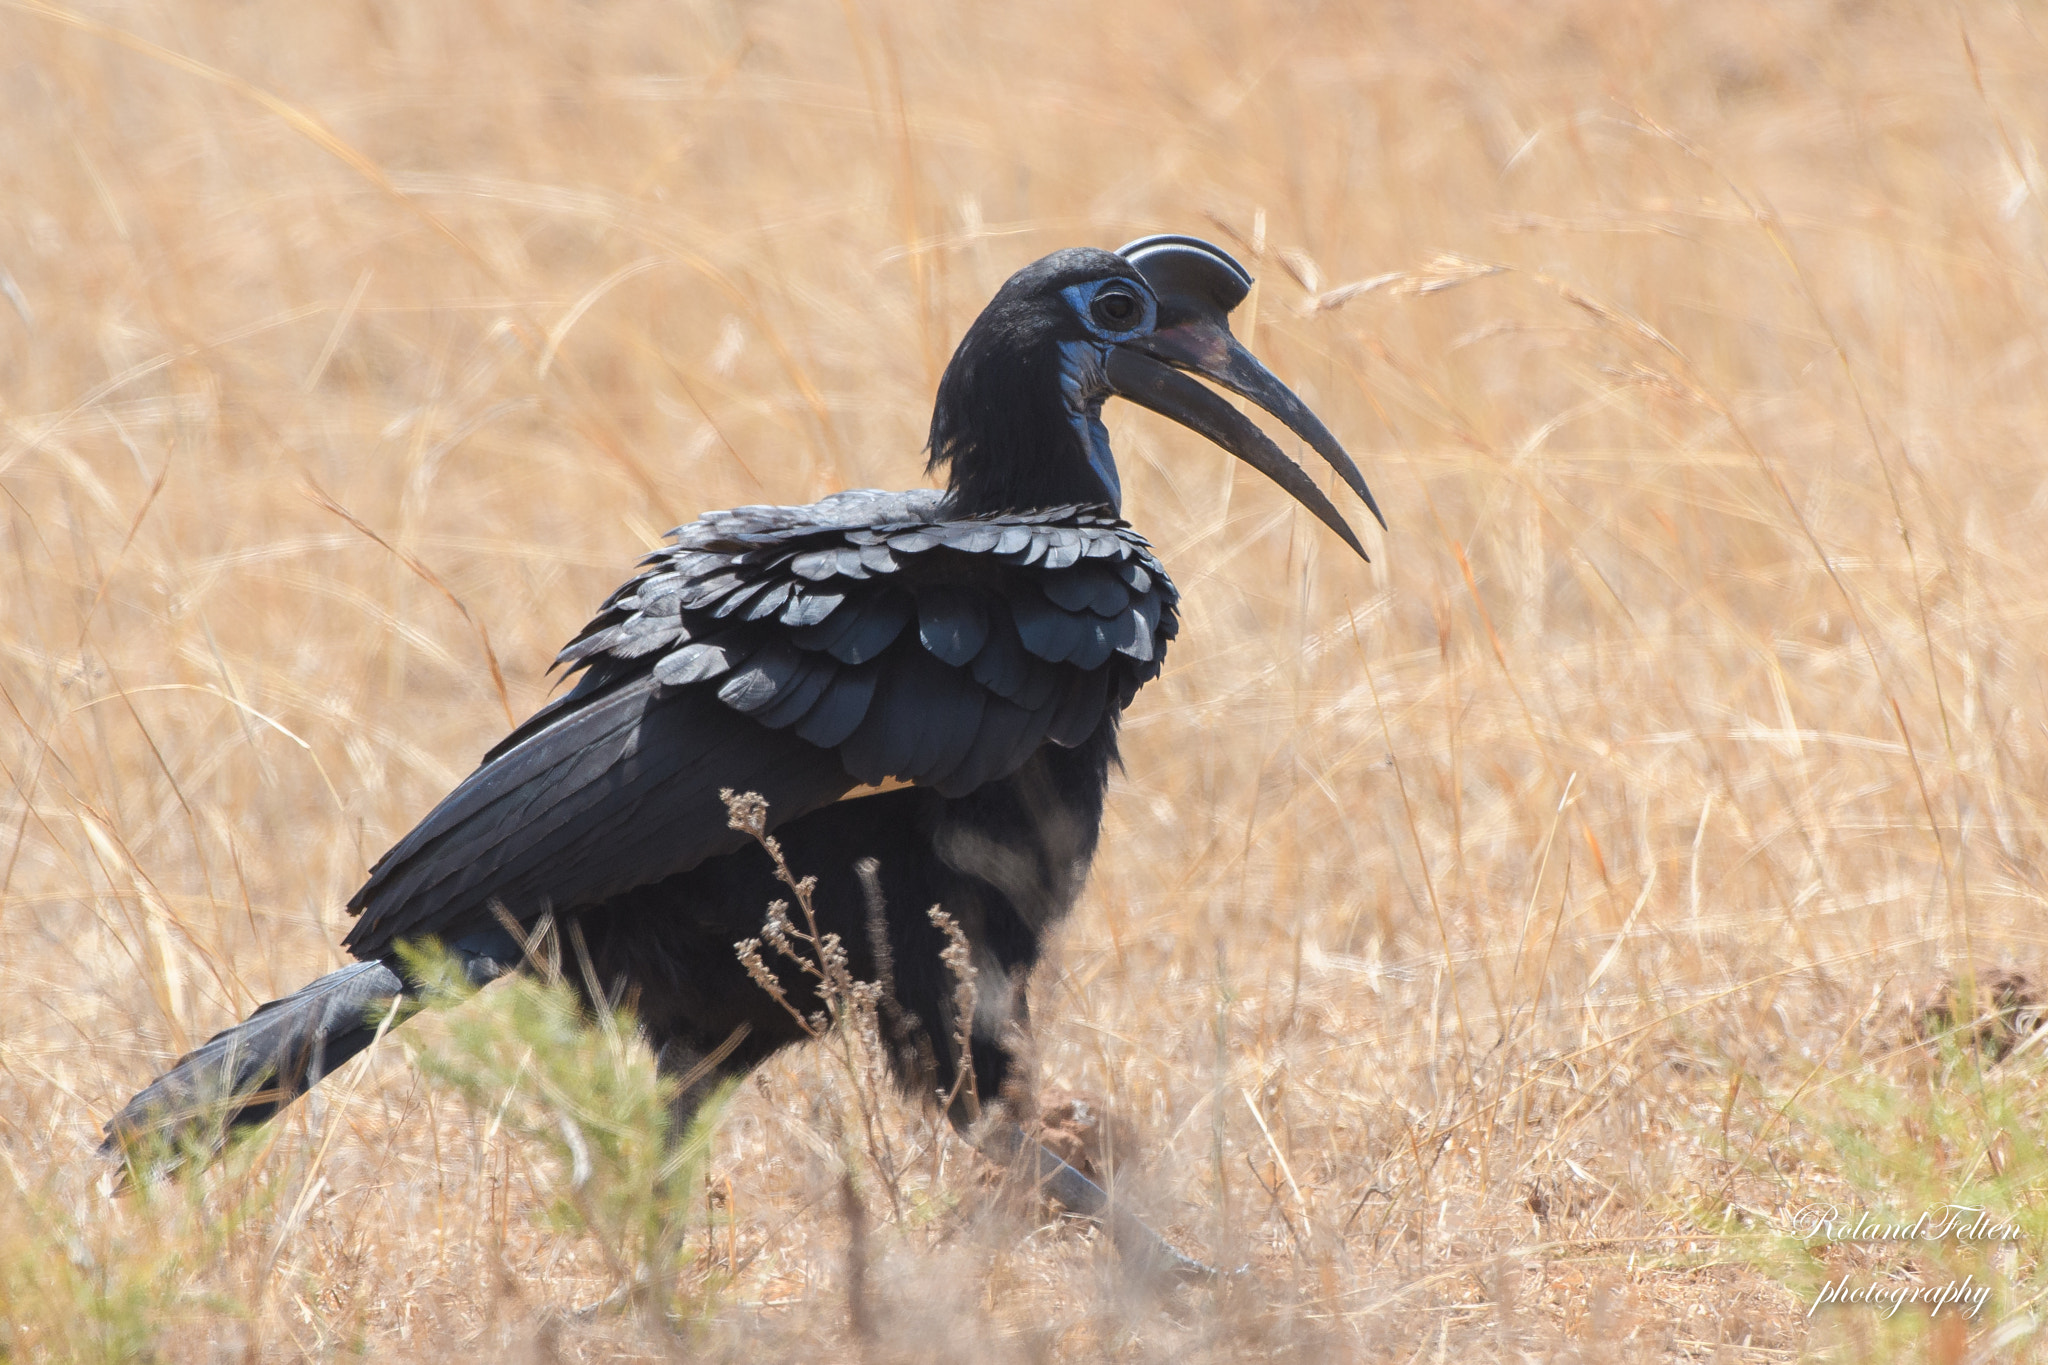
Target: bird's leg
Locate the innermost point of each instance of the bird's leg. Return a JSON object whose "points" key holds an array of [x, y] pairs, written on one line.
{"points": [[697, 1075], [683, 1064], [1148, 1254]]}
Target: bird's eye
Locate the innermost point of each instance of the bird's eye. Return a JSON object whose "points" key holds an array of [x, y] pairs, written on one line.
{"points": [[1116, 310]]}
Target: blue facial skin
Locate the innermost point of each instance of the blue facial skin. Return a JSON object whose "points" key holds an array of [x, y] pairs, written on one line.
{"points": [[1083, 387], [1084, 382]]}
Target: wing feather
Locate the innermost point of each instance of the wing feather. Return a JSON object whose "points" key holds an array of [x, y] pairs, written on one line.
{"points": [[881, 619], [952, 623], [811, 607], [770, 649], [699, 661], [1080, 710], [773, 671], [842, 707], [796, 700], [1044, 628], [635, 775], [1092, 650]]}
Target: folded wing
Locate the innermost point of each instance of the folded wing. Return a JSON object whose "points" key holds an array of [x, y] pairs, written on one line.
{"points": [[794, 651]]}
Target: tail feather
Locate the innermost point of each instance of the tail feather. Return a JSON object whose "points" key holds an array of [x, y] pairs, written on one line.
{"points": [[243, 1075]]}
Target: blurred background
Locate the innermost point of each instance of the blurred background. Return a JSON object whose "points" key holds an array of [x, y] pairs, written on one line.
{"points": [[1493, 946]]}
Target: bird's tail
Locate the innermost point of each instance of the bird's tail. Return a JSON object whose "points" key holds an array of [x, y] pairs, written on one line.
{"points": [[240, 1077]]}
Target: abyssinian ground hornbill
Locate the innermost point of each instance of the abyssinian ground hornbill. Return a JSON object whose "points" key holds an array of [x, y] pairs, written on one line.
{"points": [[929, 679]]}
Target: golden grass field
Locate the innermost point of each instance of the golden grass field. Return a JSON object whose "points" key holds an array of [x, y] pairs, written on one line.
{"points": [[1494, 947]]}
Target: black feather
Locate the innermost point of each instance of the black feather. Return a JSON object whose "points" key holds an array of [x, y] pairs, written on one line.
{"points": [[818, 565], [1046, 631], [842, 708], [829, 632], [699, 661], [1147, 610], [809, 608], [597, 639], [974, 538], [618, 793], [1042, 682], [1093, 649], [795, 700], [774, 668], [1005, 729], [1063, 548], [882, 618], [645, 634], [244, 1074], [734, 603], [1129, 635], [951, 729], [660, 595], [706, 592], [1079, 711], [1002, 666], [770, 602], [1088, 590], [916, 698], [952, 623]]}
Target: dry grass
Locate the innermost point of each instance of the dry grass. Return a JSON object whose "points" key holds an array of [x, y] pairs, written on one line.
{"points": [[1492, 947]]}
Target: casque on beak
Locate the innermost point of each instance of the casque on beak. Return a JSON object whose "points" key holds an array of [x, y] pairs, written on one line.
{"points": [[1197, 285]]}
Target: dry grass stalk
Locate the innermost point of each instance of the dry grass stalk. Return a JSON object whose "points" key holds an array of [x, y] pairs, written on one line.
{"points": [[848, 1020], [959, 960]]}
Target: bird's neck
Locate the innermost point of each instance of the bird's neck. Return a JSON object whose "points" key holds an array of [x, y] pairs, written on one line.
{"points": [[1023, 435]]}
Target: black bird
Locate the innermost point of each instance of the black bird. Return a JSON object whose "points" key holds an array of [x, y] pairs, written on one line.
{"points": [[929, 679]]}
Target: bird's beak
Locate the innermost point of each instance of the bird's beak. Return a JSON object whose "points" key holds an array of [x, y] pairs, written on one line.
{"points": [[1195, 337]]}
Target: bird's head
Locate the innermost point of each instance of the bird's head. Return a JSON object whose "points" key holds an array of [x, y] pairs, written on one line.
{"points": [[1019, 411]]}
